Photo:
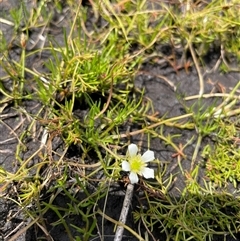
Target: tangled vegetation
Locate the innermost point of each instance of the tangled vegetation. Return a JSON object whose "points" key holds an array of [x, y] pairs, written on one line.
{"points": [[88, 102]]}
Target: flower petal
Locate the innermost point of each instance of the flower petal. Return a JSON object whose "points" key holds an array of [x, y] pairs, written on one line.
{"points": [[132, 150], [148, 156], [148, 172], [126, 166], [133, 177]]}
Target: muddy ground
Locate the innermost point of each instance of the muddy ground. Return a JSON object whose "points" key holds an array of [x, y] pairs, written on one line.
{"points": [[165, 101]]}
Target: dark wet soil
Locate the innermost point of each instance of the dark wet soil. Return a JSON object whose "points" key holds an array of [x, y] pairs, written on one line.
{"points": [[165, 100]]}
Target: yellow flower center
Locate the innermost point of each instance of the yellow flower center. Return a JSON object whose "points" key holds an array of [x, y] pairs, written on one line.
{"points": [[136, 163]]}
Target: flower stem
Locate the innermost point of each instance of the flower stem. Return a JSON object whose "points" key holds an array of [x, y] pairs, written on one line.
{"points": [[124, 212]]}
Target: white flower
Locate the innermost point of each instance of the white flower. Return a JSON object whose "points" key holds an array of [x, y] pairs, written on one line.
{"points": [[136, 164]]}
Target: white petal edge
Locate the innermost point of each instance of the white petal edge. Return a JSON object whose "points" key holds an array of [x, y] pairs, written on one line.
{"points": [[133, 177], [148, 172], [148, 156], [126, 166], [132, 150]]}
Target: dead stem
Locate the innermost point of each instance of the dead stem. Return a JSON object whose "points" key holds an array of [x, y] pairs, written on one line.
{"points": [[161, 122], [5, 21], [212, 95], [13, 130], [196, 151], [120, 224], [200, 76], [124, 212], [169, 82], [5, 141]]}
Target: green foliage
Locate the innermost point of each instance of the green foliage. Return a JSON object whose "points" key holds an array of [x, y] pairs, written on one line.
{"points": [[223, 159], [192, 217], [89, 100]]}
